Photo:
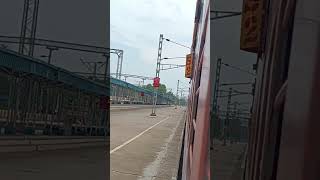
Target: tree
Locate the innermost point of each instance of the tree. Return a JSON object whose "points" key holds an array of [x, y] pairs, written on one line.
{"points": [[162, 88], [170, 94], [148, 87]]}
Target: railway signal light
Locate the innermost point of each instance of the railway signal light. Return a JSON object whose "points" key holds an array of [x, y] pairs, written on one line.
{"points": [[156, 82]]}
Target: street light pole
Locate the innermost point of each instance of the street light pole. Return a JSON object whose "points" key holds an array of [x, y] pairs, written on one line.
{"points": [[155, 93]]}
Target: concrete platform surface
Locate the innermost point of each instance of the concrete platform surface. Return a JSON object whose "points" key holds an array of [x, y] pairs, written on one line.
{"points": [[227, 161], [80, 164], [144, 147]]}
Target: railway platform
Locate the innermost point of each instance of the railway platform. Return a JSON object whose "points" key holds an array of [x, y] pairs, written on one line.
{"points": [[144, 147]]}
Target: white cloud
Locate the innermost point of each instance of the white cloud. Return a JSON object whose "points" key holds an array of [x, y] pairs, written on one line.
{"points": [[138, 24]]}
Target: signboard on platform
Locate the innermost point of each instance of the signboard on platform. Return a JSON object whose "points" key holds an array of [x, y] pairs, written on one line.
{"points": [[251, 25], [188, 70]]}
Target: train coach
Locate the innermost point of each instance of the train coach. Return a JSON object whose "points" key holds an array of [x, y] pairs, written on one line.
{"points": [[195, 163]]}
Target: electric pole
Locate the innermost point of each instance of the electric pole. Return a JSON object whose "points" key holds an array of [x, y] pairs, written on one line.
{"points": [[214, 125], [119, 64], [155, 90], [50, 53], [107, 67], [28, 27], [180, 97], [177, 94], [226, 122], [233, 123]]}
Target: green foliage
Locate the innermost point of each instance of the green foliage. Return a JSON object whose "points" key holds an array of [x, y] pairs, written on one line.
{"points": [[148, 87], [162, 88]]}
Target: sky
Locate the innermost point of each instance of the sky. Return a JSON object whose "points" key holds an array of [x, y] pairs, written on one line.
{"points": [[77, 21], [135, 27]]}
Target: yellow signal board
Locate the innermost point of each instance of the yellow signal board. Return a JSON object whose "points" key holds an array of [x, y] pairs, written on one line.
{"points": [[188, 70], [251, 25]]}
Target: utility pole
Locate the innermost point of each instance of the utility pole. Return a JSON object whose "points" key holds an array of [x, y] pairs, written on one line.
{"points": [[239, 127], [177, 94], [119, 64], [28, 27], [180, 97], [217, 84], [218, 120], [214, 116], [107, 65], [233, 122], [50, 53], [226, 122], [155, 90]]}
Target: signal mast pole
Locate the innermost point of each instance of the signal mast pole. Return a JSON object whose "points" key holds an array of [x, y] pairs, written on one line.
{"points": [[177, 94], [155, 89]]}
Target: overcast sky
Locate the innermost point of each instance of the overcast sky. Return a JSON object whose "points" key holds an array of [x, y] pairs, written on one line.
{"points": [[77, 21], [135, 28]]}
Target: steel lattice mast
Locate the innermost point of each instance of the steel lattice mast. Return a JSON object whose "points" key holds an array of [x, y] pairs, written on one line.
{"points": [[155, 93], [29, 27]]}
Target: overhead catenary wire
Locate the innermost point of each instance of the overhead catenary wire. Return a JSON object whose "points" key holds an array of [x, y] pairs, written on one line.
{"points": [[239, 69], [177, 43]]}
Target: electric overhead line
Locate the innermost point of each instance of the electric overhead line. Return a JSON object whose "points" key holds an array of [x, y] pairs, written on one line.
{"points": [[173, 58], [234, 84], [177, 43], [239, 69], [236, 91], [235, 95]]}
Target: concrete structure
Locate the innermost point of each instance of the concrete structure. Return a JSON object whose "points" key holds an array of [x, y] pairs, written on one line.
{"points": [[80, 164], [39, 98]]}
